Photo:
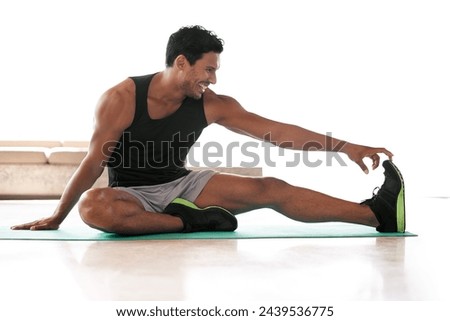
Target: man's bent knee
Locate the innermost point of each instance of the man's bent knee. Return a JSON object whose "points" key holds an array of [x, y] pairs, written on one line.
{"points": [[93, 204]]}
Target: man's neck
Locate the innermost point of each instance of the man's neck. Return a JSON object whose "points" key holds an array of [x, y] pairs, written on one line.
{"points": [[165, 88]]}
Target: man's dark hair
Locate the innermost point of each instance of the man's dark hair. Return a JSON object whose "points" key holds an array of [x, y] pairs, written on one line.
{"points": [[192, 42]]}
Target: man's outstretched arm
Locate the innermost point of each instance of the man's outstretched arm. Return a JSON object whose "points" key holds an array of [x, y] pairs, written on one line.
{"points": [[228, 112]]}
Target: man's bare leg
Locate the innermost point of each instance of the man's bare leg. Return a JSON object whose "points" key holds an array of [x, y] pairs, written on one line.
{"points": [[239, 194], [119, 212]]}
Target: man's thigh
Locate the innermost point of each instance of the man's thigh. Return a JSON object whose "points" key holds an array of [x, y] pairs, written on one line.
{"points": [[108, 196], [236, 193]]}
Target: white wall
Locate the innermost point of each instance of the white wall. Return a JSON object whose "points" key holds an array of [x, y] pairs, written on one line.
{"points": [[371, 72]]}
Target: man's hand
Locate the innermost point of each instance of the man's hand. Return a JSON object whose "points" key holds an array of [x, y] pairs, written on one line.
{"points": [[48, 223], [357, 153]]}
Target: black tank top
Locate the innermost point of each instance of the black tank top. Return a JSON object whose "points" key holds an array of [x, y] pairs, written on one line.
{"points": [[154, 151]]}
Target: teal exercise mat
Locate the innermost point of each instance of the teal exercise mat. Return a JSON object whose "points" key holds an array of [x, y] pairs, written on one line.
{"points": [[296, 230]]}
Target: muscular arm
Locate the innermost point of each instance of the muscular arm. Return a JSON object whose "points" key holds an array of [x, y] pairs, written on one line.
{"points": [[114, 113], [227, 112]]}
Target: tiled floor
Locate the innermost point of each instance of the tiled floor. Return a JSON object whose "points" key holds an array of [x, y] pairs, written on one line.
{"points": [[400, 269]]}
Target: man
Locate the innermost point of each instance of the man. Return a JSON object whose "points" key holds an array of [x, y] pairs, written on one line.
{"points": [[144, 127]]}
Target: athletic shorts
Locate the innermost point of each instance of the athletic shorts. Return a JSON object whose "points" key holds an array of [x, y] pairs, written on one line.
{"points": [[155, 198]]}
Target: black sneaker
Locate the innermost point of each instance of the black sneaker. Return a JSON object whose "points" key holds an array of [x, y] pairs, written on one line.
{"points": [[195, 219], [389, 203]]}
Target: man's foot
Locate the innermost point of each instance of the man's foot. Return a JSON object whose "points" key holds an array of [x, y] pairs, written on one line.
{"points": [[389, 203], [195, 219]]}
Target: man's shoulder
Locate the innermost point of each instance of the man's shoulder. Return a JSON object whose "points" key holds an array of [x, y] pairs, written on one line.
{"points": [[211, 99], [122, 93], [125, 87], [218, 107], [118, 99]]}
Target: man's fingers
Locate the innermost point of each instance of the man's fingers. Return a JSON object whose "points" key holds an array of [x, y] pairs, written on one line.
{"points": [[363, 166], [375, 161], [387, 153], [43, 226], [36, 225], [372, 153], [376, 157], [25, 226]]}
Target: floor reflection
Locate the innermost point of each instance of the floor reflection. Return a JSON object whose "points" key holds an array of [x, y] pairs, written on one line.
{"points": [[241, 269]]}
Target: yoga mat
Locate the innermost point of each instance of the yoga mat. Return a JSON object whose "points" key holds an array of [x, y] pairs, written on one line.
{"points": [[296, 230]]}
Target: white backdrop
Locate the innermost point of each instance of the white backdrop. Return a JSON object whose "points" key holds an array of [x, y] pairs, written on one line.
{"points": [[371, 72]]}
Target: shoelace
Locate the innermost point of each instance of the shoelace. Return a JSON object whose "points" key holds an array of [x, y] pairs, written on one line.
{"points": [[375, 191], [374, 195]]}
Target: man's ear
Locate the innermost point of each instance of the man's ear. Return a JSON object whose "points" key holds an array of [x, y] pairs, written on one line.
{"points": [[181, 62]]}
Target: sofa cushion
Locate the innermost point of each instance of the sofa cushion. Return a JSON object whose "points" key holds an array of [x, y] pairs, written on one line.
{"points": [[23, 155], [66, 155]]}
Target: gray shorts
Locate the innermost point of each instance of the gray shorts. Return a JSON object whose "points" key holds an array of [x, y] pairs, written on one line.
{"points": [[155, 198]]}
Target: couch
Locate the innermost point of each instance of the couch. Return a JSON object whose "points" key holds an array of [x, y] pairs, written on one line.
{"points": [[41, 169]]}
